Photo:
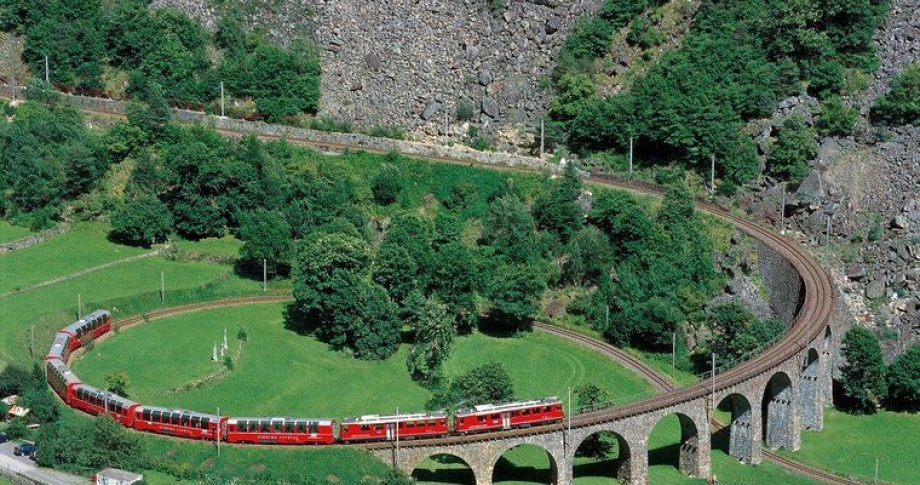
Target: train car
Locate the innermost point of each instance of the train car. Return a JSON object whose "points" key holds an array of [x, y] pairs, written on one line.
{"points": [[178, 422], [494, 417], [61, 379], [280, 431], [60, 348], [387, 428], [96, 401], [88, 328]]}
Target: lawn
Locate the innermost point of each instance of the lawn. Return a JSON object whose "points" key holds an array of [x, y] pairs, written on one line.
{"points": [[528, 465], [850, 445], [227, 247], [84, 246], [18, 312], [9, 232], [297, 375]]}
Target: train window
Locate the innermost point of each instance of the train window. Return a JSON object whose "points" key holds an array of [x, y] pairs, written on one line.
{"points": [[196, 421], [277, 425], [175, 418], [253, 426], [266, 426], [365, 427], [302, 426], [480, 418], [378, 427], [314, 427], [155, 414], [205, 423]]}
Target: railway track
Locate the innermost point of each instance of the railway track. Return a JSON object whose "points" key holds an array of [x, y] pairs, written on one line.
{"points": [[813, 316]]}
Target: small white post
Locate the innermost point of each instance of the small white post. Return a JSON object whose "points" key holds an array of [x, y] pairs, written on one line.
{"points": [[782, 213], [222, 99], [264, 274], [630, 157], [47, 71]]}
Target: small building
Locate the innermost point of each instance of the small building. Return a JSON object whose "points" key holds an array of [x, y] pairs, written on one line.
{"points": [[114, 476]]}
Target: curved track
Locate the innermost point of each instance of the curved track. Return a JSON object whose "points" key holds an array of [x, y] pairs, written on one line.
{"points": [[814, 315]]}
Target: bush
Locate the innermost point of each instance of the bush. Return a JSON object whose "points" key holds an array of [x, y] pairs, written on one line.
{"points": [[863, 376], [331, 125], [903, 378], [17, 429], [142, 222], [387, 184], [901, 105], [795, 146], [386, 131], [643, 33], [488, 383], [267, 239], [837, 119], [466, 110], [827, 80]]}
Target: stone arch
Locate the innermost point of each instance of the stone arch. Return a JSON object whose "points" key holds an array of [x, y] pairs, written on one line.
{"points": [[809, 394], [742, 443], [623, 461], [778, 412], [448, 472], [499, 469], [690, 458]]}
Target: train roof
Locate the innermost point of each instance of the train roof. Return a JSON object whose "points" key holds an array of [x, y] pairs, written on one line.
{"points": [[69, 376], [236, 419], [212, 417], [110, 396], [511, 406], [72, 328], [377, 419]]}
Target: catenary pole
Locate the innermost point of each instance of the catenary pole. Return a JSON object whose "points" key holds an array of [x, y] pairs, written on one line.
{"points": [[79, 307], [713, 382], [782, 213], [673, 351], [630, 157], [712, 174], [221, 98], [162, 288], [396, 428], [47, 71], [542, 137], [264, 274]]}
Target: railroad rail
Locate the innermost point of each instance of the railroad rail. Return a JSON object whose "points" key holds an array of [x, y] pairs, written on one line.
{"points": [[814, 315]]}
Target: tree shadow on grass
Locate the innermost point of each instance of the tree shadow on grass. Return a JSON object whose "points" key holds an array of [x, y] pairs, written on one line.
{"points": [[299, 321], [495, 326], [606, 468], [458, 476], [665, 455], [505, 470]]}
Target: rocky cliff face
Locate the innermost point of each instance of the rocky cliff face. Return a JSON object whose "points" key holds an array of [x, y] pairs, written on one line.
{"points": [[863, 197], [411, 63]]}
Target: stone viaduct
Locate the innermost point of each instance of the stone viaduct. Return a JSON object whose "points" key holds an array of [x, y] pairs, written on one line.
{"points": [[772, 397]]}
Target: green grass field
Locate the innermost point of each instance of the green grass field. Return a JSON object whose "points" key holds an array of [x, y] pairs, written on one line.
{"points": [[19, 311], [224, 247], [528, 465], [850, 445], [297, 375], [9, 232], [85, 246]]}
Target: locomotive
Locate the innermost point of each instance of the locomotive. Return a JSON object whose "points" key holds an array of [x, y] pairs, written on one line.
{"points": [[181, 423]]}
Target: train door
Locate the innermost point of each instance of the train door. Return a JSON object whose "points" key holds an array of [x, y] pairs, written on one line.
{"points": [[391, 431], [506, 420]]}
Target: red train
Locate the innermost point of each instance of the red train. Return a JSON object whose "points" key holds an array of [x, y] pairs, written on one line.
{"points": [[272, 430], [88, 328], [280, 431], [495, 417], [385, 428]]}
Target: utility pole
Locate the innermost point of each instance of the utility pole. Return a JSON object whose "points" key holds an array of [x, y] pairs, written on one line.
{"points": [[713, 382], [782, 213], [876, 472], [446, 124], [630, 157], [13, 87], [32, 341], [673, 351], [162, 288], [79, 307], [607, 317], [396, 428], [570, 415], [264, 274], [827, 233], [47, 71], [542, 136], [222, 99], [712, 174], [217, 433]]}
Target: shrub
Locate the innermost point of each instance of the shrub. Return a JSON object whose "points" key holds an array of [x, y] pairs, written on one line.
{"points": [[901, 105], [387, 184], [267, 240], [642, 33], [332, 125], [117, 382], [466, 110], [143, 221], [795, 146], [837, 119], [903, 378], [488, 383], [863, 376], [827, 79], [17, 429], [386, 131]]}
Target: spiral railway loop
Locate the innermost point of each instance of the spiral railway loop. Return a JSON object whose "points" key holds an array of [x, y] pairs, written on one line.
{"points": [[813, 316]]}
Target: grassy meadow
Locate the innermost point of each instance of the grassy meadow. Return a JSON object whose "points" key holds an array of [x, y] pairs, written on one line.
{"points": [[9, 232], [297, 375]]}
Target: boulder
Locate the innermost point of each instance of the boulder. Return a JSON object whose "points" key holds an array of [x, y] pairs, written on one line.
{"points": [[553, 24], [856, 271], [490, 107], [876, 289], [373, 61], [431, 110]]}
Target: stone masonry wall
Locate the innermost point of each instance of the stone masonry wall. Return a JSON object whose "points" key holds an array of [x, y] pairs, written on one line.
{"points": [[409, 63]]}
